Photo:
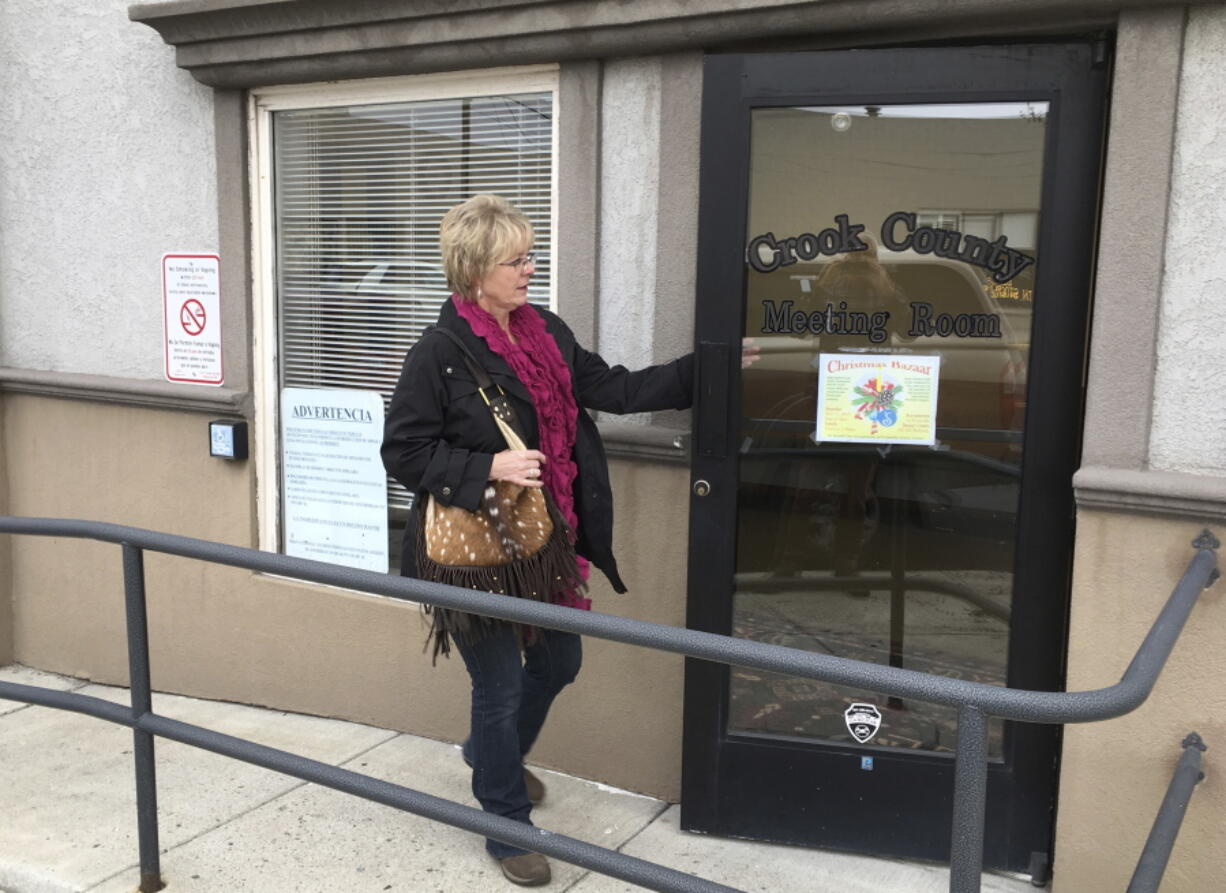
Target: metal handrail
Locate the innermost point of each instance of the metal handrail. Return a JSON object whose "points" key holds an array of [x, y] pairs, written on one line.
{"points": [[1152, 864], [975, 701]]}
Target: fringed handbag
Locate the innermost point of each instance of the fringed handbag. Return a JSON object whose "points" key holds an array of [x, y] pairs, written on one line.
{"points": [[516, 543]]}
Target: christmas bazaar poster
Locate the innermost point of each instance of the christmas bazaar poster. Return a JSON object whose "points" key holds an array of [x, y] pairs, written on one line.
{"points": [[877, 398]]}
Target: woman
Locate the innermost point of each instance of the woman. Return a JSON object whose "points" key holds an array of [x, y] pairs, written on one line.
{"points": [[440, 439], [858, 280]]}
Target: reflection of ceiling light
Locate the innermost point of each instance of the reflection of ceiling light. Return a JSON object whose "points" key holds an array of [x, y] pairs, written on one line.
{"points": [[805, 281], [841, 122]]}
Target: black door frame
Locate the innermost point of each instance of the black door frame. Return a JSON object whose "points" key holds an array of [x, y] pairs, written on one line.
{"points": [[744, 785]]}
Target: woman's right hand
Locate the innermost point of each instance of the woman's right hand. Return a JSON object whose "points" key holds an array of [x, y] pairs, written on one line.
{"points": [[522, 467]]}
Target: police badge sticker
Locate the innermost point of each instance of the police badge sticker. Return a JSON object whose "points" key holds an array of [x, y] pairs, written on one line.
{"points": [[863, 721]]}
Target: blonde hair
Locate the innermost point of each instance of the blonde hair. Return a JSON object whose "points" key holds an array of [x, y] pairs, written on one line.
{"points": [[859, 275], [477, 235]]}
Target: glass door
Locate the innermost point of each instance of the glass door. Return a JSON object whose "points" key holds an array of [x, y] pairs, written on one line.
{"points": [[881, 430], [889, 471]]}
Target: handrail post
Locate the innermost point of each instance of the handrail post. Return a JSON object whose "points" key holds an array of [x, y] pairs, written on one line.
{"points": [[970, 801], [142, 704], [1152, 864]]}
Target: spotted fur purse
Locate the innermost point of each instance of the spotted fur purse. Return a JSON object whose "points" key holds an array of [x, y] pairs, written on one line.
{"points": [[516, 543]]}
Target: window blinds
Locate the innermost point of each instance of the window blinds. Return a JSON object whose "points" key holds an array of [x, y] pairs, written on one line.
{"points": [[359, 194]]}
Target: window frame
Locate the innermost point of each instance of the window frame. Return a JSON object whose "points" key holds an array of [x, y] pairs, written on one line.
{"points": [[262, 103]]}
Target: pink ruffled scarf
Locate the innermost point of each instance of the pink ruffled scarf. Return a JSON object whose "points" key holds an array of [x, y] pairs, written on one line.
{"points": [[537, 362]]}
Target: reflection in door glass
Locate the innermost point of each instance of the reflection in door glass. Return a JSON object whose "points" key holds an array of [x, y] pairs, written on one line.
{"points": [[890, 280]]}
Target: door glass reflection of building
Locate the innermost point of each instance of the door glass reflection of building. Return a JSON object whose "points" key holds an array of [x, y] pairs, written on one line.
{"points": [[877, 234]]}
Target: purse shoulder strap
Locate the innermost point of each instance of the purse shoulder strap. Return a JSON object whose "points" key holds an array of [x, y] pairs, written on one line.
{"points": [[493, 395], [475, 368]]}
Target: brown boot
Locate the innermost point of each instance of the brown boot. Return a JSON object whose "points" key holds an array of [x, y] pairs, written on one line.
{"points": [[535, 787], [526, 869]]}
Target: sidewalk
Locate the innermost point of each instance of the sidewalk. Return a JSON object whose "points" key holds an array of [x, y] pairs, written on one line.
{"points": [[69, 816]]}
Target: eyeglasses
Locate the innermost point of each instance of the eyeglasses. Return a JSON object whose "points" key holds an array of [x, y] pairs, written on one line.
{"points": [[519, 262]]}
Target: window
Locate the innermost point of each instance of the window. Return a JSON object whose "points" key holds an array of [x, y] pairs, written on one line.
{"points": [[1019, 227], [940, 219], [353, 184]]}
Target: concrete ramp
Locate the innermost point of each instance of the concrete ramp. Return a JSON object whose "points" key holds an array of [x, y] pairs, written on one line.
{"points": [[67, 798]]}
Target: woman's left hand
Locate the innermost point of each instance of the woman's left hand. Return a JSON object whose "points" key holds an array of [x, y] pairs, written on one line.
{"points": [[750, 353], [522, 467]]}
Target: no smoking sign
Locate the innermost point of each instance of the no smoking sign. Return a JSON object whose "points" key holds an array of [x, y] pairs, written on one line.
{"points": [[191, 317]]}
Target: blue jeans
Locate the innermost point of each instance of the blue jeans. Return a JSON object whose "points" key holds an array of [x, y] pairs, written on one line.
{"points": [[512, 693]]}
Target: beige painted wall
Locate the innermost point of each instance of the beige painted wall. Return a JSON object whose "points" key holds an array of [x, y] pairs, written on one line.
{"points": [[1114, 774], [6, 594], [229, 634]]}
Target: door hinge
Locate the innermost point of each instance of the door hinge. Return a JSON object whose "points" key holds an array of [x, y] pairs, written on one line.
{"points": [[1100, 50]]}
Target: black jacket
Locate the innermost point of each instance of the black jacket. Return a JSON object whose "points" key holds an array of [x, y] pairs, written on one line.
{"points": [[439, 436]]}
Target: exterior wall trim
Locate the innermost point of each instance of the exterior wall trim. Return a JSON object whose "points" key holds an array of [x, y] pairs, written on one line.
{"points": [[126, 391], [234, 234], [1167, 493], [248, 43], [259, 214], [577, 202], [648, 443], [1132, 239], [1116, 476], [622, 440]]}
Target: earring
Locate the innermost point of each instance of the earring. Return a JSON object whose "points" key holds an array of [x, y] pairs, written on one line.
{"points": [[479, 293]]}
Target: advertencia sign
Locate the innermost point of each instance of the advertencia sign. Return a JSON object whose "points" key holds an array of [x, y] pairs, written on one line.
{"points": [[191, 318], [877, 398], [333, 487]]}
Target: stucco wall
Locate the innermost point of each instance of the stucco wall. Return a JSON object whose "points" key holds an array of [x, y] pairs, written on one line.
{"points": [[229, 634], [1189, 424], [629, 186], [107, 163], [1113, 774], [224, 633]]}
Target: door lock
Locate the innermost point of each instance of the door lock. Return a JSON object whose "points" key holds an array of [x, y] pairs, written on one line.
{"points": [[701, 488]]}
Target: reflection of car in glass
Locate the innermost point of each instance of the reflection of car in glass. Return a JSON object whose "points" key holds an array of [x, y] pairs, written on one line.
{"points": [[372, 310], [837, 497], [939, 307], [368, 313], [383, 277]]}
